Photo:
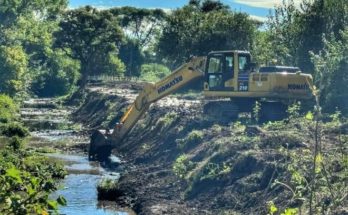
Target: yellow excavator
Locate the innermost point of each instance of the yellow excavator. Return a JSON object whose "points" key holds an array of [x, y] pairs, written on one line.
{"points": [[231, 85]]}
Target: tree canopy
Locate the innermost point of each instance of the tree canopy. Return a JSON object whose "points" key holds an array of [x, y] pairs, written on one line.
{"points": [[193, 31], [90, 36]]}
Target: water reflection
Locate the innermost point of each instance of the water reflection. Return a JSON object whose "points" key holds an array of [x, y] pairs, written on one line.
{"points": [[79, 187]]}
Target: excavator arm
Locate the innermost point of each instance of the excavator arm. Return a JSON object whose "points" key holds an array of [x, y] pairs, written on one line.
{"points": [[102, 142]]}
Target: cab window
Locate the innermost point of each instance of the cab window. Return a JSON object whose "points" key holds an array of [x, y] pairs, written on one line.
{"points": [[243, 62], [215, 65], [229, 64]]}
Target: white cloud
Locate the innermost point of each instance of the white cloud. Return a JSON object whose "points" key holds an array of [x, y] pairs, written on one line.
{"points": [[258, 18], [265, 3]]}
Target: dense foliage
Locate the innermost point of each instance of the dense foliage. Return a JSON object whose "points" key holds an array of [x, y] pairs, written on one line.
{"points": [[92, 37], [26, 178], [153, 72], [197, 30], [46, 48], [313, 37]]}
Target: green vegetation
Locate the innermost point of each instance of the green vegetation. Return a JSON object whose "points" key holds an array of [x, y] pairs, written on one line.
{"points": [[307, 156], [256, 111], [107, 184], [313, 37], [48, 49], [8, 109], [166, 121], [91, 37], [27, 178], [153, 72], [193, 138], [13, 129], [108, 189], [199, 28], [182, 166]]}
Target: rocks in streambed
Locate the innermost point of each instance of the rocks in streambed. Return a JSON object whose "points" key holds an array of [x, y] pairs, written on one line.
{"points": [[40, 103]]}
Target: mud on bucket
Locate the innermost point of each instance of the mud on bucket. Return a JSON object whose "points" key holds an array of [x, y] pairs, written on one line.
{"points": [[100, 147]]}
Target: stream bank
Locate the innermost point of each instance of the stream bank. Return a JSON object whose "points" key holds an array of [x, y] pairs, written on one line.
{"points": [[178, 162]]}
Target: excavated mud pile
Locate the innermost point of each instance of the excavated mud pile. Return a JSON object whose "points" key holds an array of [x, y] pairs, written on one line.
{"points": [[177, 162]]}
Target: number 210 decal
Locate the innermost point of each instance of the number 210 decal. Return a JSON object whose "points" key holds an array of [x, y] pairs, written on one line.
{"points": [[243, 86]]}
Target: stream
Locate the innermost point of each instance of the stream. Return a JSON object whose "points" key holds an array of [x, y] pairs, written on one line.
{"points": [[50, 127]]}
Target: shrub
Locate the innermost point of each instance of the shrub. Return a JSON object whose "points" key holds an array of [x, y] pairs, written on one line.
{"points": [[194, 137], [153, 72], [256, 111], [216, 128], [57, 79], [14, 129], [182, 166], [13, 69], [294, 110], [16, 143], [8, 109], [167, 120], [108, 189], [107, 184], [27, 180]]}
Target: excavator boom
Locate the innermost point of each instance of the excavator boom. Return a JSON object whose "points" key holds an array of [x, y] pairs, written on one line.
{"points": [[103, 142]]}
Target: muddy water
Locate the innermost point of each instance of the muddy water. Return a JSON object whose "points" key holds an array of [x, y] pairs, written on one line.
{"points": [[50, 127]]}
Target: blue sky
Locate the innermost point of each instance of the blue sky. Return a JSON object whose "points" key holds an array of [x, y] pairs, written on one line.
{"points": [[257, 8]]}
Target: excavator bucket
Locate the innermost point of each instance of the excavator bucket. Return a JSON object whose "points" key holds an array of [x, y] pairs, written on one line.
{"points": [[100, 146]]}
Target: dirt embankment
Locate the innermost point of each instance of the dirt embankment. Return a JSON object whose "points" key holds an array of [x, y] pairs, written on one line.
{"points": [[178, 162]]}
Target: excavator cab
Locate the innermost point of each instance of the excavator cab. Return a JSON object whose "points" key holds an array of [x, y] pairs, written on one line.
{"points": [[227, 71], [232, 74]]}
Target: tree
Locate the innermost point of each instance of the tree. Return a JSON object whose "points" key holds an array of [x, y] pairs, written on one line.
{"points": [[139, 24], [189, 31], [142, 27], [284, 33], [262, 50], [208, 5], [331, 66], [297, 31], [13, 66], [29, 25], [211, 5], [57, 76], [89, 35], [314, 28], [10, 10], [132, 55]]}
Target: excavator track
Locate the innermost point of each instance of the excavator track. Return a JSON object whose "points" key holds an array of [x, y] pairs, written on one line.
{"points": [[272, 111], [221, 111]]}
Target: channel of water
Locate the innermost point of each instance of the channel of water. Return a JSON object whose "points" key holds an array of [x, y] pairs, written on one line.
{"points": [[79, 187]]}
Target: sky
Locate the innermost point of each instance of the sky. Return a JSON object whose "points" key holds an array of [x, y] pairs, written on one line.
{"points": [[256, 8]]}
